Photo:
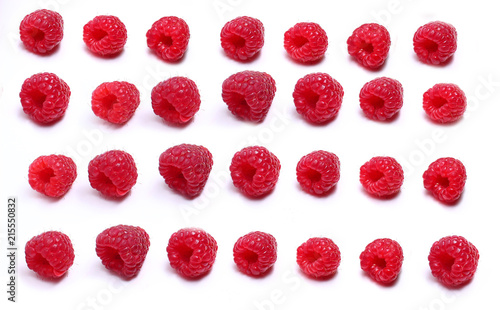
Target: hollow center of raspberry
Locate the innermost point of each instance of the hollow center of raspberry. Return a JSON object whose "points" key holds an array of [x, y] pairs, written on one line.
{"points": [[239, 103], [313, 175], [248, 172], [38, 98], [376, 102], [37, 34], [311, 99], [443, 181], [176, 177], [166, 40], [312, 257], [108, 102], [300, 41], [250, 256], [98, 34], [430, 46], [375, 175], [113, 258], [379, 262], [46, 174], [237, 41], [438, 102], [41, 261], [447, 261], [185, 253], [366, 47]]}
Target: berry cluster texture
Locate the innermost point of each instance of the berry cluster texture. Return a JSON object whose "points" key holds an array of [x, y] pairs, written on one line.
{"points": [[255, 253], [105, 35], [41, 31], [242, 38], [115, 102], [52, 175], [369, 44]]}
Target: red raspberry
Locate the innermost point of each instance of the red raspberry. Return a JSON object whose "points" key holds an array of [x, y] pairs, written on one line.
{"points": [[445, 103], [453, 260], [255, 170], [318, 257], [169, 38], [113, 173], [382, 260], [369, 44], [116, 101], [255, 253], [242, 38], [105, 35], [49, 254], [192, 252], [306, 42], [435, 42], [45, 97], [318, 172], [123, 249], [41, 31], [381, 98], [52, 175], [381, 176], [176, 100], [186, 168], [318, 97], [249, 94], [445, 178]]}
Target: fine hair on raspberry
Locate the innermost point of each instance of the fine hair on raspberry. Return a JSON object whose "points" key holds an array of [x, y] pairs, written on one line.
{"points": [[382, 259], [381, 98], [444, 103], [52, 175], [105, 35], [381, 176], [445, 179], [115, 102], [192, 252], [255, 253], [318, 97], [369, 44], [318, 172], [306, 42], [242, 38], [41, 31], [318, 257], [435, 42], [168, 38]]}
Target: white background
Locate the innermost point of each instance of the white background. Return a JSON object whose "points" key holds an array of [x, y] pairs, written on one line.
{"points": [[348, 216]]}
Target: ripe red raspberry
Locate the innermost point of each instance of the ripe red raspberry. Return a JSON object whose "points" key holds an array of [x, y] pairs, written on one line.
{"points": [[116, 101], [186, 168], [113, 173], [318, 97], [318, 257], [445, 103], [169, 38], [176, 100], [445, 179], [123, 249], [192, 252], [255, 253], [382, 260], [381, 176], [50, 254], [105, 35], [52, 175], [41, 31], [249, 94], [318, 172], [453, 260], [242, 38], [45, 97], [306, 42], [381, 98], [435, 42], [255, 170], [369, 44]]}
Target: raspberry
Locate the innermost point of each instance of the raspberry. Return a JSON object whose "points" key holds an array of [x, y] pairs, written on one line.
{"points": [[50, 254], [255, 170], [255, 253], [115, 102], [105, 35], [186, 168], [242, 38], [113, 173], [453, 260], [381, 176], [445, 103], [381, 98], [123, 249], [369, 44], [192, 252], [306, 42], [176, 100], [52, 175], [249, 94], [318, 97], [318, 172], [382, 260], [435, 42], [168, 38], [445, 179], [318, 257], [45, 97], [41, 31]]}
